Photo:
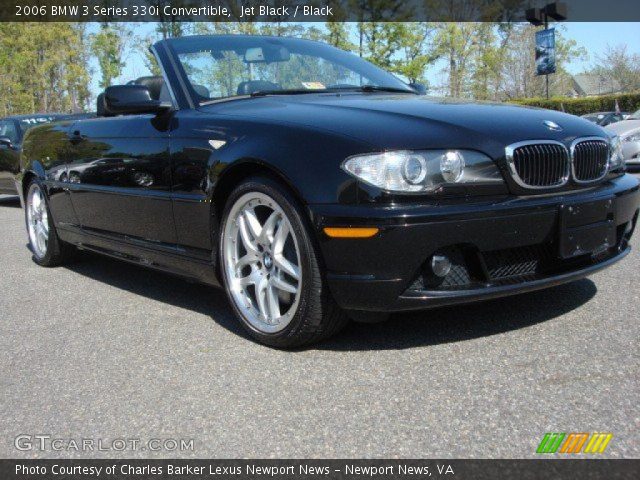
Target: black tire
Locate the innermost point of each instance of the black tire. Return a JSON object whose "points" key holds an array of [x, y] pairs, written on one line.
{"points": [[318, 316], [57, 252]]}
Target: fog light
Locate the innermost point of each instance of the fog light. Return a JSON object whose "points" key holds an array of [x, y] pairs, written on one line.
{"points": [[440, 265]]}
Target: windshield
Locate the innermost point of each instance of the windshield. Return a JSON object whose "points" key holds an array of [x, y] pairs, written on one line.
{"points": [[30, 122], [8, 129], [227, 66]]}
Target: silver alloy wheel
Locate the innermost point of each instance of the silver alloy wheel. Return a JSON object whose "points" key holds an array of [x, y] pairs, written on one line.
{"points": [[262, 262], [37, 221]]}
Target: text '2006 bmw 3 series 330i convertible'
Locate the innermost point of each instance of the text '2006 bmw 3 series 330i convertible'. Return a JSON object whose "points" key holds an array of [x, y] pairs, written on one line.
{"points": [[314, 187]]}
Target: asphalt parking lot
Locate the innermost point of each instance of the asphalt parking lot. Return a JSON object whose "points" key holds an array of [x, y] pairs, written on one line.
{"points": [[105, 350]]}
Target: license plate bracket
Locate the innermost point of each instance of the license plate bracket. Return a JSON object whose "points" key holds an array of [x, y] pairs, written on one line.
{"points": [[586, 228]]}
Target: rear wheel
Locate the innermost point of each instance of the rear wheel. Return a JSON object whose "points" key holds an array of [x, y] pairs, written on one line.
{"points": [[48, 250], [270, 268]]}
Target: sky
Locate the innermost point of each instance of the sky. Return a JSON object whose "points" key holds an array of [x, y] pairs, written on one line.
{"points": [[594, 37]]}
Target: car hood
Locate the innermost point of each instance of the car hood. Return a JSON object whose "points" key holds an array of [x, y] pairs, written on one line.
{"points": [[390, 121], [623, 127]]}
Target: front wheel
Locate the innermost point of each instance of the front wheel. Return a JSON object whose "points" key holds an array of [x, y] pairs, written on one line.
{"points": [[270, 268]]}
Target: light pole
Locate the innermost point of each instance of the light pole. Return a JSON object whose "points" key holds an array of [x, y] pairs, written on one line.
{"points": [[540, 16]]}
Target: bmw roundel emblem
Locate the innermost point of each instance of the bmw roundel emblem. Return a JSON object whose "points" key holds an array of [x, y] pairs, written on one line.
{"points": [[552, 126]]}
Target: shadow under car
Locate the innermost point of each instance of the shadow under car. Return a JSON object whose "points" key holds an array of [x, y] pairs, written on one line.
{"points": [[401, 331]]}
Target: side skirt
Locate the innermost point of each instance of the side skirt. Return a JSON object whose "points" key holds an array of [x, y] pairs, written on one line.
{"points": [[169, 259]]}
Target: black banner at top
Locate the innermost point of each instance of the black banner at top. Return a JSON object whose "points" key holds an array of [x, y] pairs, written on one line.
{"points": [[314, 10]]}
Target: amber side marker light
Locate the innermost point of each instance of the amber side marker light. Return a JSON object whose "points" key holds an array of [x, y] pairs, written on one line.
{"points": [[349, 232]]}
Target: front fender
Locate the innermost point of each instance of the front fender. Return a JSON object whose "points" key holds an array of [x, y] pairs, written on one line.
{"points": [[308, 160]]}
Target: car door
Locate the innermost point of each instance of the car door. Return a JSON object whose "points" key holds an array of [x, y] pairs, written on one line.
{"points": [[119, 175]]}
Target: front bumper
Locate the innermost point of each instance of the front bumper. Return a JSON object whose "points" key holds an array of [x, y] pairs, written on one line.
{"points": [[498, 247]]}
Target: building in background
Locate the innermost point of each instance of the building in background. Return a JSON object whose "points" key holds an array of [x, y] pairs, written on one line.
{"points": [[591, 85]]}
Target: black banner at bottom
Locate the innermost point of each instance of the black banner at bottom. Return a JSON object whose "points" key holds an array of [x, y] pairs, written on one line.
{"points": [[561, 469]]}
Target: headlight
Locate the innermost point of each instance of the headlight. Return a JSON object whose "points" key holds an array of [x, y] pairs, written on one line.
{"points": [[414, 169], [634, 137], [425, 171], [452, 166], [616, 161]]}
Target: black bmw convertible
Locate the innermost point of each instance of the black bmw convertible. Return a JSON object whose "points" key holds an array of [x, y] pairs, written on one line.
{"points": [[315, 187]]}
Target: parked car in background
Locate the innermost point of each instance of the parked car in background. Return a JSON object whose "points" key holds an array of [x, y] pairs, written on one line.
{"points": [[12, 131], [315, 187], [605, 118], [629, 132]]}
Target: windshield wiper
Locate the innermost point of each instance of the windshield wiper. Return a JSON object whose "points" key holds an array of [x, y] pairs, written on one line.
{"points": [[306, 91], [263, 93], [374, 88], [293, 91], [302, 91]]}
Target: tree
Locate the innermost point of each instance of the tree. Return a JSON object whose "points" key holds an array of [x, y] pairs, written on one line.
{"points": [[416, 51], [338, 34], [456, 44], [374, 12], [487, 63], [381, 40], [169, 26], [143, 45], [617, 64], [44, 67], [108, 46], [518, 72]]}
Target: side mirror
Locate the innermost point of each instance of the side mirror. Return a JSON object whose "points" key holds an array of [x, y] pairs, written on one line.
{"points": [[6, 141], [128, 99], [418, 88]]}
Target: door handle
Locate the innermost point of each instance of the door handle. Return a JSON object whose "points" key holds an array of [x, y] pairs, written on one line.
{"points": [[76, 137]]}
